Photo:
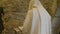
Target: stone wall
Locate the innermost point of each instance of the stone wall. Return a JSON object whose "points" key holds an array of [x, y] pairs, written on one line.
{"points": [[14, 14]]}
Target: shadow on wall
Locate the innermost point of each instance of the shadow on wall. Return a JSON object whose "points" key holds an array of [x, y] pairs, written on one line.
{"points": [[56, 22], [1, 21]]}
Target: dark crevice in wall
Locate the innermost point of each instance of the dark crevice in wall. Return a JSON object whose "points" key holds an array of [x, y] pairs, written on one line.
{"points": [[1, 21]]}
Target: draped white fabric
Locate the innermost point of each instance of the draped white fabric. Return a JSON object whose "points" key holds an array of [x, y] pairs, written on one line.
{"points": [[41, 21]]}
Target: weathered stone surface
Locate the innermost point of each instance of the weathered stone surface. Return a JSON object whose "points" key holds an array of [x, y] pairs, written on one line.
{"points": [[14, 14]]}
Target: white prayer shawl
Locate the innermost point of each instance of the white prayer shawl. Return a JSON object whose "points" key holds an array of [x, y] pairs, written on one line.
{"points": [[41, 21]]}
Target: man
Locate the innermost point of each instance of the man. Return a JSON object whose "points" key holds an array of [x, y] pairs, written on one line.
{"points": [[38, 20], [1, 21]]}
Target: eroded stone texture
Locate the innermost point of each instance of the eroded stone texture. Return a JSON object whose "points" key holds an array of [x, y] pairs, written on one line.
{"points": [[14, 14], [15, 10]]}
